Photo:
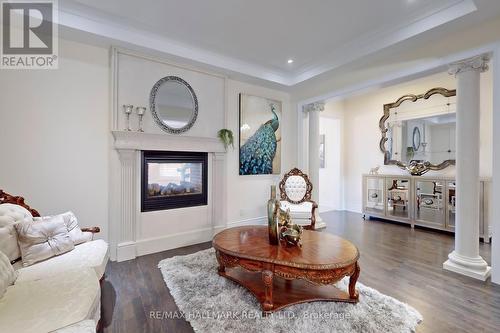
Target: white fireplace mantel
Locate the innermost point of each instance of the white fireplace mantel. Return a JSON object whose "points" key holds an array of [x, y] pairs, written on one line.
{"points": [[128, 242], [125, 140]]}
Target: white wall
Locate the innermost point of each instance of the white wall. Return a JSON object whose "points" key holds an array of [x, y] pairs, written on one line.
{"points": [[57, 152], [55, 134], [331, 182], [136, 77], [362, 133], [247, 195], [218, 99]]}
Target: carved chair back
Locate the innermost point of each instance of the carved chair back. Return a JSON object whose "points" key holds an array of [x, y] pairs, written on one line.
{"points": [[16, 200], [295, 187]]}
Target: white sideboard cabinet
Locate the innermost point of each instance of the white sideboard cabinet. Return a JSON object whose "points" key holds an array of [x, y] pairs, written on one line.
{"points": [[420, 200]]}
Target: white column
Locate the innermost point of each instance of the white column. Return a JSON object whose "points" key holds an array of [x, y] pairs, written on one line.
{"points": [[495, 245], [126, 247], [313, 110], [465, 259], [219, 196]]}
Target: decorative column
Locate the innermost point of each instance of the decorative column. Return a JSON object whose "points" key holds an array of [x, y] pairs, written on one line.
{"points": [[313, 110], [219, 196], [126, 247], [465, 259]]}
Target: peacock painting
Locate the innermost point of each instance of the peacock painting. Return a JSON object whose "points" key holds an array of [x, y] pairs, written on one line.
{"points": [[259, 136]]}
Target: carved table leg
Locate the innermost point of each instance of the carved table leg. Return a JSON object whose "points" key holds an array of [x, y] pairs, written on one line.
{"points": [[221, 268], [352, 282], [267, 278]]}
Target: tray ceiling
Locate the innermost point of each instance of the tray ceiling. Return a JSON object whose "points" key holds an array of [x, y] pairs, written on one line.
{"points": [[257, 37]]}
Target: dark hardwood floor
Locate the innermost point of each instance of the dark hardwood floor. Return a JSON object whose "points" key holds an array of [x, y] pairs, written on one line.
{"points": [[396, 260]]}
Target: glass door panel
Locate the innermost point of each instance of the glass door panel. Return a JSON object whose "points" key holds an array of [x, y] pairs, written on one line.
{"points": [[429, 202], [398, 196], [374, 201]]}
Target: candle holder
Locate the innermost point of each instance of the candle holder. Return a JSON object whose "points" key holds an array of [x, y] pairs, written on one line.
{"points": [[127, 109], [140, 110]]}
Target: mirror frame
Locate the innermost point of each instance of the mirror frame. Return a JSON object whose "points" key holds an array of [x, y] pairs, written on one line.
{"points": [[414, 167], [152, 98]]}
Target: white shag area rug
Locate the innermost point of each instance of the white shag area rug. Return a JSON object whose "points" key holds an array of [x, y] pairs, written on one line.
{"points": [[212, 303]]}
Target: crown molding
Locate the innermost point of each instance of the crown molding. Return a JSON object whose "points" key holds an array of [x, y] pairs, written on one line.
{"points": [[425, 68], [122, 36], [116, 33], [381, 39]]}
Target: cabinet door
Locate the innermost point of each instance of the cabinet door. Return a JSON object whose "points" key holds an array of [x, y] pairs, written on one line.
{"points": [[430, 202], [451, 201], [374, 196], [397, 198]]}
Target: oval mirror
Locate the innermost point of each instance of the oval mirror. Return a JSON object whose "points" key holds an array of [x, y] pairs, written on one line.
{"points": [[416, 138], [173, 104]]}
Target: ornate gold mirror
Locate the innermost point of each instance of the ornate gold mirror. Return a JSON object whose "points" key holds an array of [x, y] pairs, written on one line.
{"points": [[418, 131]]}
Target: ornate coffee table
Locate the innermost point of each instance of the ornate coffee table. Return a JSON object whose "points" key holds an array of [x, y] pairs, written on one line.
{"points": [[304, 274]]}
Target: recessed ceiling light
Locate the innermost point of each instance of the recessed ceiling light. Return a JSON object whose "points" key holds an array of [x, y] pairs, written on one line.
{"points": [[290, 61]]}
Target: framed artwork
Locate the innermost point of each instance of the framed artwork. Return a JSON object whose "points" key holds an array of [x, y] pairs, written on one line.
{"points": [[260, 135], [322, 151]]}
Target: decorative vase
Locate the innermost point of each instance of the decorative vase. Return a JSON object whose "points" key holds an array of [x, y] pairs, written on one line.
{"points": [[272, 219]]}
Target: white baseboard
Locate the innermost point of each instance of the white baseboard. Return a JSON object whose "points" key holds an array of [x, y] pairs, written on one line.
{"points": [[169, 242], [131, 250], [254, 220], [125, 251]]}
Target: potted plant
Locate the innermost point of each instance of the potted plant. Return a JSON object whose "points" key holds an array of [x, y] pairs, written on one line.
{"points": [[227, 138]]}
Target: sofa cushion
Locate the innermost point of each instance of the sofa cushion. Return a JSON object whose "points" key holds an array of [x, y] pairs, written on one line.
{"points": [[7, 273], [298, 211], [76, 234], [40, 241], [50, 304], [8, 242], [11, 214], [92, 254]]}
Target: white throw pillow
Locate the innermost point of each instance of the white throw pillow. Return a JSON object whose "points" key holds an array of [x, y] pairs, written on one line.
{"points": [[7, 273], [40, 241], [11, 214], [76, 234]]}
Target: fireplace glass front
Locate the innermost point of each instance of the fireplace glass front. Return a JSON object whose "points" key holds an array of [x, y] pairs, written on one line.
{"points": [[173, 180]]}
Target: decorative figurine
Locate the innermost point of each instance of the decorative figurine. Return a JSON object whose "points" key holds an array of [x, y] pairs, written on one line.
{"points": [[374, 171], [128, 110], [284, 217], [272, 217], [290, 233], [417, 168]]}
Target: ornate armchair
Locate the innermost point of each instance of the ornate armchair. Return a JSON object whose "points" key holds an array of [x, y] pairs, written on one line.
{"points": [[295, 194]]}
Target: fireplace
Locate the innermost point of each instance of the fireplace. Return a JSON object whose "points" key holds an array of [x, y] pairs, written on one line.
{"points": [[173, 180]]}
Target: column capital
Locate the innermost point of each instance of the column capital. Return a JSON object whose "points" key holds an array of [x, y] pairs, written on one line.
{"points": [[478, 63], [316, 106]]}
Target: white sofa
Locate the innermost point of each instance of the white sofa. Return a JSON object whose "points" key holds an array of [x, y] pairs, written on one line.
{"points": [[60, 294]]}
